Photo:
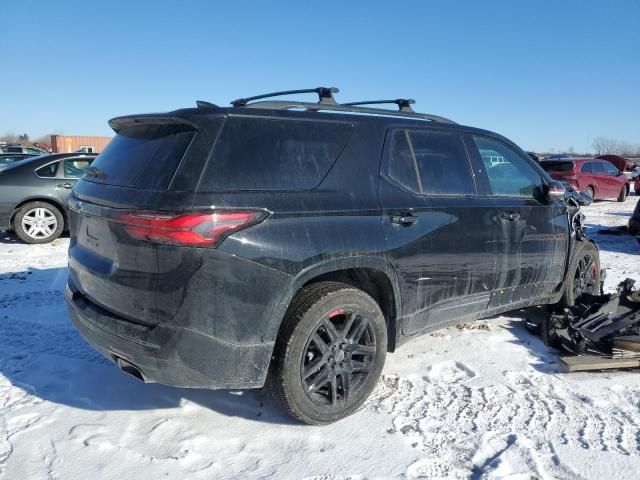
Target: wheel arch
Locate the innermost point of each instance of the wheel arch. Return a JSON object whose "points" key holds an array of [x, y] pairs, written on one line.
{"points": [[40, 198], [372, 275]]}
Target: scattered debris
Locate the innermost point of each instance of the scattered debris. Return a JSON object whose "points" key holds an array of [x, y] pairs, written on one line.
{"points": [[477, 325], [601, 331]]}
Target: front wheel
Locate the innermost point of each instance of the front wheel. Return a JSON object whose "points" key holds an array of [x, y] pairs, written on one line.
{"points": [[623, 193], [583, 275], [38, 222], [329, 354], [589, 191]]}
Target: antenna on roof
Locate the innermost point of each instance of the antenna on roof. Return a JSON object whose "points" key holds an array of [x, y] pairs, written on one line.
{"points": [[404, 104], [325, 96], [205, 104]]}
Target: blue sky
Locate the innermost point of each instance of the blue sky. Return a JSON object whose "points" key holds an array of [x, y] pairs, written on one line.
{"points": [[547, 74]]}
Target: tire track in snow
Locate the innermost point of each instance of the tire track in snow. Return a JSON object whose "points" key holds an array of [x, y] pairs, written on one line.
{"points": [[444, 417], [12, 399], [31, 299]]}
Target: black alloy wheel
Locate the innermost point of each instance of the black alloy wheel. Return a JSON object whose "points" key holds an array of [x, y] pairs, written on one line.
{"points": [[338, 357]]}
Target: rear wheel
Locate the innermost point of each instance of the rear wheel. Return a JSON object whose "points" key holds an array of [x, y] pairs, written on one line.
{"points": [[623, 193], [584, 273], [38, 222], [589, 191], [329, 354]]}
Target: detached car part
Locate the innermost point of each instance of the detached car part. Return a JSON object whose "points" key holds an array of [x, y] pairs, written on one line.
{"points": [[599, 331]]}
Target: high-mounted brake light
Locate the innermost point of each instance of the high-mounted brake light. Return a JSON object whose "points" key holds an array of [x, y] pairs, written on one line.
{"points": [[191, 229]]}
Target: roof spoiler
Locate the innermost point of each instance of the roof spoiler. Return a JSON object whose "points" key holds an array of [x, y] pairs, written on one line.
{"points": [[118, 123]]}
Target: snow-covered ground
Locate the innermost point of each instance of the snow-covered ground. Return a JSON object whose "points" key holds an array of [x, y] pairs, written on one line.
{"points": [[485, 401]]}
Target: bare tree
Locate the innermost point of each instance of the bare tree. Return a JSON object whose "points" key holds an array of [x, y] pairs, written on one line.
{"points": [[610, 146], [604, 145], [9, 137]]}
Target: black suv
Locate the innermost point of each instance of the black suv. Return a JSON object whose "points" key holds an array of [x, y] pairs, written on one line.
{"points": [[296, 243]]}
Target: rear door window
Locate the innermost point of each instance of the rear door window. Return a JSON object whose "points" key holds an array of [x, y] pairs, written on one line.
{"points": [[75, 167], [142, 156], [598, 167], [430, 162], [586, 168], [255, 153]]}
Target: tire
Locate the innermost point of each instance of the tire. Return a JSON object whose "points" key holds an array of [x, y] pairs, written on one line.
{"points": [[336, 335], [38, 222], [623, 193], [589, 191], [586, 281]]}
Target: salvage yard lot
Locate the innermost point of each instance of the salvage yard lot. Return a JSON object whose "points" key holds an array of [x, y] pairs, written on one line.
{"points": [[486, 400]]}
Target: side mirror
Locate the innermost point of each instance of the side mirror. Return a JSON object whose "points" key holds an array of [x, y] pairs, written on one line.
{"points": [[555, 192], [583, 199]]}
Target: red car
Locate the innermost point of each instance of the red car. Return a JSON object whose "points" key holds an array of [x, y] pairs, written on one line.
{"points": [[597, 178]]}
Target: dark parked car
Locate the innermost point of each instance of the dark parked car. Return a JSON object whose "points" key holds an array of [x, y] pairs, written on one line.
{"points": [[34, 194], [9, 158], [634, 221], [18, 148], [296, 243], [599, 179]]}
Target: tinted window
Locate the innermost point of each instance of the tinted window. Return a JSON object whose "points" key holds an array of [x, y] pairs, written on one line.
{"points": [[142, 156], [48, 170], [273, 154], [610, 168], [586, 168], [430, 162], [8, 160], [509, 174], [75, 167], [557, 166], [403, 167], [598, 167]]}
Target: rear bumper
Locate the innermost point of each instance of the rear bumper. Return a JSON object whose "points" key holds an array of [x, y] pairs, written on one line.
{"points": [[175, 356]]}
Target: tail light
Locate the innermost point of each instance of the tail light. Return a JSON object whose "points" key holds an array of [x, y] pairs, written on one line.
{"points": [[201, 229]]}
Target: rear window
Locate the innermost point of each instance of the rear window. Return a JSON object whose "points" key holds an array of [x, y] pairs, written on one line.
{"points": [[273, 154], [142, 156], [557, 167]]}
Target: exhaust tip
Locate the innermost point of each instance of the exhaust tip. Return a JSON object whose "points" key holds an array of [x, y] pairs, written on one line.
{"points": [[130, 369]]}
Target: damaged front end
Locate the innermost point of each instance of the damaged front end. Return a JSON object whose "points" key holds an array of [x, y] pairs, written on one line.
{"points": [[599, 331], [600, 324]]}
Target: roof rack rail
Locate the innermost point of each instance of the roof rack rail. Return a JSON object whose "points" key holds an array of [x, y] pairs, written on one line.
{"points": [[325, 96], [339, 107], [404, 104], [205, 104]]}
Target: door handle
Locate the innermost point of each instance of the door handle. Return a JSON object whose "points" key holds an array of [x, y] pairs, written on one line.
{"points": [[66, 185], [404, 219], [510, 216]]}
